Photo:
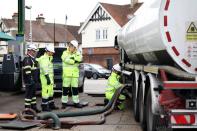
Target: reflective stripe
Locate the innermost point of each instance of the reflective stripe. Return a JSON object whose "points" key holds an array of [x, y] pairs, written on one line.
{"points": [[26, 67], [34, 68], [51, 101], [33, 102], [27, 99], [27, 104], [34, 98], [45, 97], [75, 99], [64, 99], [28, 72], [45, 103]]}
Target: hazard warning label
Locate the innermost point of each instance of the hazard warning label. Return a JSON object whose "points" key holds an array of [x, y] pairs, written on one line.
{"points": [[191, 31]]}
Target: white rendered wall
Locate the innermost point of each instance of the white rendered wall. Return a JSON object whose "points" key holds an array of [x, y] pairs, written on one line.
{"points": [[89, 34]]}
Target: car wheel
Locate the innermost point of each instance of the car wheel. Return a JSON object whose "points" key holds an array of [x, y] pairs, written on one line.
{"points": [[94, 76], [89, 77], [81, 88]]}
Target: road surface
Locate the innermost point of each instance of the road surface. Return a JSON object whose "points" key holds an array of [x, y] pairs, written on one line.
{"points": [[116, 121]]}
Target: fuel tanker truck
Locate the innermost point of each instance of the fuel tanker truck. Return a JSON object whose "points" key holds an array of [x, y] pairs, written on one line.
{"points": [[159, 47]]}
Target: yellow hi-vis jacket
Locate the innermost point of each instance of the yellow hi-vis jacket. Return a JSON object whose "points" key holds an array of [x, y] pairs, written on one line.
{"points": [[112, 85], [70, 63], [46, 68]]}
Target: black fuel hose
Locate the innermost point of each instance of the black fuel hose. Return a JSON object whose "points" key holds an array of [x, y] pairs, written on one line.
{"points": [[57, 115], [94, 122], [84, 113], [88, 112], [42, 119]]}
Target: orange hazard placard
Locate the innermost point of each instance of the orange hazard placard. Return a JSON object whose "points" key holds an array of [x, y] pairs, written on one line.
{"points": [[8, 116]]}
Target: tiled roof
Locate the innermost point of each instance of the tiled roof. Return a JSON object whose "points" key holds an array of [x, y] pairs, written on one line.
{"points": [[120, 12], [74, 31], [45, 32]]}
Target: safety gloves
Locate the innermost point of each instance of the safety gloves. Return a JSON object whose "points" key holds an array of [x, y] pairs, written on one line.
{"points": [[74, 59], [48, 79]]}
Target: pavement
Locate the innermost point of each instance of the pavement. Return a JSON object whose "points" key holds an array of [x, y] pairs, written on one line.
{"points": [[95, 86], [116, 121]]}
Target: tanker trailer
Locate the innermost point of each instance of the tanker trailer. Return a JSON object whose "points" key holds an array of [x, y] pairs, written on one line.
{"points": [[159, 46]]}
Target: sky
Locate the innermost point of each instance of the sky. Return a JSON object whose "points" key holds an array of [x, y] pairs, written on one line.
{"points": [[76, 10]]}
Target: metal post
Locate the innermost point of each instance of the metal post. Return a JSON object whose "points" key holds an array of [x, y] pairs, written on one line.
{"points": [[65, 29], [54, 31], [21, 26], [30, 24], [30, 28], [21, 17]]}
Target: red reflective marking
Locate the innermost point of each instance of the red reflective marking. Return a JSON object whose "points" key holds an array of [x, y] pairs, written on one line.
{"points": [[195, 69], [167, 4], [179, 85], [165, 21], [175, 51], [186, 63], [180, 119], [192, 119], [168, 36]]}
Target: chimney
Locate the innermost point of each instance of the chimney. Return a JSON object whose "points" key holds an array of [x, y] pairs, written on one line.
{"points": [[81, 23], [40, 19], [15, 17], [133, 2]]}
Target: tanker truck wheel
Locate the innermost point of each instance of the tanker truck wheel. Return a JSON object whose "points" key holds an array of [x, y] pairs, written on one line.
{"points": [[142, 109], [135, 104], [152, 121]]}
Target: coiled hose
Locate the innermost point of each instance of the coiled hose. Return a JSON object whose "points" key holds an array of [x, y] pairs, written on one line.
{"points": [[107, 109], [102, 118]]}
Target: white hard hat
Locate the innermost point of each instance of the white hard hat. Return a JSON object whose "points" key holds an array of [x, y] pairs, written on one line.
{"points": [[50, 48], [117, 67], [32, 47], [74, 43]]}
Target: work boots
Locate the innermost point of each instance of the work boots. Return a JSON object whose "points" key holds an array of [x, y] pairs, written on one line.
{"points": [[45, 107], [78, 105], [34, 107], [52, 106], [64, 105]]}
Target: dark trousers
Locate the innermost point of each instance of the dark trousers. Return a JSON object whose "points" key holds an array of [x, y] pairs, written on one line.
{"points": [[30, 95]]}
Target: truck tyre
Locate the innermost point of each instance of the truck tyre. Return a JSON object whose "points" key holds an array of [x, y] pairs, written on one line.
{"points": [[135, 104], [152, 121], [142, 110]]}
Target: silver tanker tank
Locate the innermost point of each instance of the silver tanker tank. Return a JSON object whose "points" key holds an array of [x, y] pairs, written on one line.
{"points": [[162, 32]]}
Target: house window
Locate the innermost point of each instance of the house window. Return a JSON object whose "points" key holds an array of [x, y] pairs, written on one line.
{"points": [[101, 34], [105, 34], [98, 35]]}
